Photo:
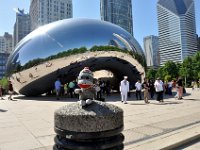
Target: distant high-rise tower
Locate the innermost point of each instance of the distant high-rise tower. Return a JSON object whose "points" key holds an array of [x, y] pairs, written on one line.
{"points": [[177, 30], [118, 12], [3, 61], [22, 26], [151, 47], [5, 50], [46, 11], [6, 43]]}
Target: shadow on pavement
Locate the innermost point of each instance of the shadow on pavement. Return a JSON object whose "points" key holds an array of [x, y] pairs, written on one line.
{"points": [[3, 110], [46, 98], [137, 104], [190, 99], [166, 103]]}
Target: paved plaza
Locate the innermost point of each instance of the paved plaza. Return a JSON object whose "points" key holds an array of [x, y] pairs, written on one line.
{"points": [[27, 123]]}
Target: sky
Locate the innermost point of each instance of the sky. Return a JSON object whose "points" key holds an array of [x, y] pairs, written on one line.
{"points": [[144, 15]]}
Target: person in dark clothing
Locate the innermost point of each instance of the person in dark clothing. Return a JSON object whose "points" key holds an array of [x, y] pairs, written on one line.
{"points": [[10, 90], [1, 92], [99, 93], [151, 88]]}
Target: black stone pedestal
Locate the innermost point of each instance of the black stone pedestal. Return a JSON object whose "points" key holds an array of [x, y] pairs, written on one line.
{"points": [[96, 127]]}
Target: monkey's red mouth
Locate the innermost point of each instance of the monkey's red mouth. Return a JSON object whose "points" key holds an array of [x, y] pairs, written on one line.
{"points": [[84, 86]]}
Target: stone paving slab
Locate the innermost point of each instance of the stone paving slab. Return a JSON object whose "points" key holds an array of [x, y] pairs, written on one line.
{"points": [[31, 119], [169, 141]]}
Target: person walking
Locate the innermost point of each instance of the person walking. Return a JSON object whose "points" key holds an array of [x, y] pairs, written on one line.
{"points": [[124, 89], [57, 88], [159, 89], [10, 90], [138, 87], [146, 91], [1, 92]]}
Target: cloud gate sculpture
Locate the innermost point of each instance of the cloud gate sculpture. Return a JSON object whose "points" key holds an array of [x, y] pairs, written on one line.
{"points": [[64, 48]]}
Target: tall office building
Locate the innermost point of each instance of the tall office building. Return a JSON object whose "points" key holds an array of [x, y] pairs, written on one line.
{"points": [[22, 26], [5, 50], [199, 44], [6, 43], [46, 11], [118, 12], [177, 30], [151, 47], [3, 61]]}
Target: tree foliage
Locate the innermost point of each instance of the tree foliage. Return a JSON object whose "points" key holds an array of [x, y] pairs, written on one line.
{"points": [[4, 82], [190, 69], [151, 74]]}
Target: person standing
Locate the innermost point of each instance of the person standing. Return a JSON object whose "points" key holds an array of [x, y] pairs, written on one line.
{"points": [[146, 91], [180, 88], [138, 87], [71, 88], [57, 88], [159, 89], [99, 93], [10, 90], [151, 88], [124, 89]]}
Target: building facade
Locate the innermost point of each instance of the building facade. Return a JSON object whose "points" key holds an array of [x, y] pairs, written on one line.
{"points": [[3, 61], [177, 30], [46, 11], [199, 44], [22, 26], [6, 47], [118, 12], [151, 47], [6, 43]]}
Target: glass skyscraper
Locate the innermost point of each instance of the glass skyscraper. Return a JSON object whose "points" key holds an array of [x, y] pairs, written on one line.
{"points": [[118, 12], [177, 30]]}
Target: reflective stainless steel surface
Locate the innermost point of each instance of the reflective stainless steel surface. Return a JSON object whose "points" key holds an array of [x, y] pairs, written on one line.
{"points": [[53, 49]]}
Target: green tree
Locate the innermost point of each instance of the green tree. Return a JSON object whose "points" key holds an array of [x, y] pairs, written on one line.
{"points": [[160, 73], [4, 82], [170, 69], [151, 74], [168, 78]]}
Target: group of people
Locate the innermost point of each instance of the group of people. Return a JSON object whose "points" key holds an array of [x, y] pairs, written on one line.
{"points": [[149, 87], [10, 91], [62, 89]]}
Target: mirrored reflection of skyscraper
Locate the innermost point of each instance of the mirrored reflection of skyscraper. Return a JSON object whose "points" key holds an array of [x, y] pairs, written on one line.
{"points": [[46, 11], [151, 51], [177, 30], [118, 12]]}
